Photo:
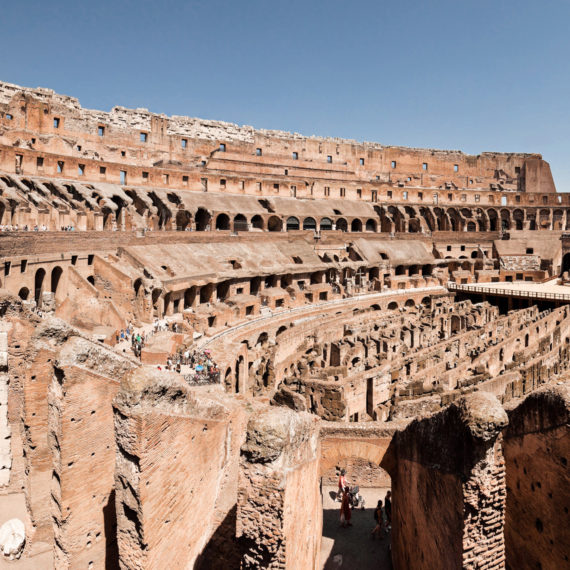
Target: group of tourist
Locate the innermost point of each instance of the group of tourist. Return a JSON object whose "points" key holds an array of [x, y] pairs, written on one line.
{"points": [[382, 512], [204, 369], [24, 228]]}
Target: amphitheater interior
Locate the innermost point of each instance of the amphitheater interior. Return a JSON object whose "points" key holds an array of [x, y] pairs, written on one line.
{"points": [[202, 323]]}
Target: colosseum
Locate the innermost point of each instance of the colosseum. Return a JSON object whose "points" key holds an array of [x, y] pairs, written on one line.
{"points": [[205, 324]]}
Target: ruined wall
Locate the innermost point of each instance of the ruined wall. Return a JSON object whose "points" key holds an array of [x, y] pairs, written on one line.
{"points": [[537, 448], [279, 516], [176, 469], [82, 441], [448, 488]]}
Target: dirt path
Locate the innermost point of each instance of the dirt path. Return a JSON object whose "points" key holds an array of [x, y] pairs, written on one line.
{"points": [[352, 548]]}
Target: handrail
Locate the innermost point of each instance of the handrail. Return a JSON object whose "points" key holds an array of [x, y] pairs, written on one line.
{"points": [[475, 288]]}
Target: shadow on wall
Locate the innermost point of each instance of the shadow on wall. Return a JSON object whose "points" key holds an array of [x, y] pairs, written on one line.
{"points": [[222, 551], [110, 518]]}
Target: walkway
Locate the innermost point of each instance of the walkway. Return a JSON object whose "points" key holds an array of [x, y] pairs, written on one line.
{"points": [[352, 548], [549, 291]]}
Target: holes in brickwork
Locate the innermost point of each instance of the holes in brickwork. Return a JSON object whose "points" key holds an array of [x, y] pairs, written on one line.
{"points": [[539, 525]]}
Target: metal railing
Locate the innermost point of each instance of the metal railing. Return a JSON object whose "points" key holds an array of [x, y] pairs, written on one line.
{"points": [[474, 288]]}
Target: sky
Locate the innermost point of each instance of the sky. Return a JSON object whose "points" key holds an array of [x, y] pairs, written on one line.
{"points": [[469, 75]]}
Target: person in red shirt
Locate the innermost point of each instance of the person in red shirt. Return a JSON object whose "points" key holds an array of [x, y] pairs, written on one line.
{"points": [[342, 482]]}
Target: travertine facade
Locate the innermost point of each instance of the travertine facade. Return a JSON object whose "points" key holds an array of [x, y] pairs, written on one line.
{"points": [[354, 305]]}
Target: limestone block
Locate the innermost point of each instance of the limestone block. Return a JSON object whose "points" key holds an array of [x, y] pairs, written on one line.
{"points": [[12, 538]]}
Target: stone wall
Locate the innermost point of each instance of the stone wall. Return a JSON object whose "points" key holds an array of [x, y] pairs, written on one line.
{"points": [[449, 489], [537, 448], [176, 469], [279, 515]]}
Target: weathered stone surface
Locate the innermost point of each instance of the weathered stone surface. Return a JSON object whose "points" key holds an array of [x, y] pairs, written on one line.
{"points": [[12, 538]]}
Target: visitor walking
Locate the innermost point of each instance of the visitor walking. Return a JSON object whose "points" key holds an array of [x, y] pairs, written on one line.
{"points": [[379, 518], [388, 508]]}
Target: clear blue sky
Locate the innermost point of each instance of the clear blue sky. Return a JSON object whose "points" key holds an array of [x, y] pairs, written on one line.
{"points": [[470, 75]]}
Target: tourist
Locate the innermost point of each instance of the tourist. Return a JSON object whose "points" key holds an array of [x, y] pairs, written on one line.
{"points": [[345, 512], [388, 507], [342, 482], [379, 518]]}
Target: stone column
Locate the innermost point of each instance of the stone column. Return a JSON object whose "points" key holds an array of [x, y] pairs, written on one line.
{"points": [[279, 513]]}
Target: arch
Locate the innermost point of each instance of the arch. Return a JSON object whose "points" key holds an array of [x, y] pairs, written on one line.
{"points": [[24, 293], [426, 302], [309, 224], [342, 225], [518, 217], [455, 324], [39, 284], [371, 225], [183, 219], [240, 223], [275, 224], [410, 303], [189, 297], [222, 222], [292, 223], [56, 273], [137, 286], [257, 222], [356, 225], [280, 330], [91, 279], [326, 224], [471, 227], [566, 263], [238, 373], [203, 219], [505, 220], [393, 306]]}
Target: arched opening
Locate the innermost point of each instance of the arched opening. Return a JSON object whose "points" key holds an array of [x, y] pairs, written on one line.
{"points": [[280, 330], [410, 303], [136, 286], [55, 277], [426, 302], [189, 297], [371, 225], [257, 222], [275, 224], [206, 293], [326, 224], [400, 270], [39, 284], [292, 223], [309, 224], [356, 225], [238, 374], [24, 293], [183, 219], [91, 279], [240, 223], [471, 227], [566, 263], [393, 306], [455, 324], [223, 222], [342, 225], [203, 219]]}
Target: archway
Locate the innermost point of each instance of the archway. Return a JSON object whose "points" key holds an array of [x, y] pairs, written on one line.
{"points": [[55, 277], [326, 224], [203, 219], [39, 284], [342, 225], [356, 225], [274, 224], [292, 223], [183, 219], [223, 222], [370, 225], [566, 263], [257, 222], [24, 293], [309, 224], [240, 223], [392, 306]]}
